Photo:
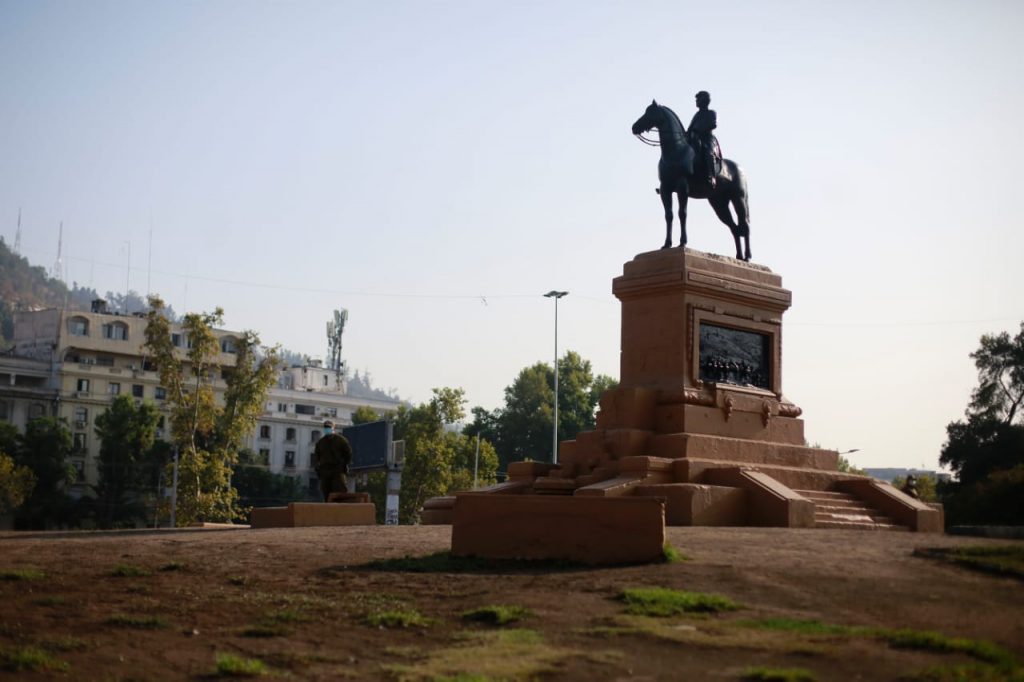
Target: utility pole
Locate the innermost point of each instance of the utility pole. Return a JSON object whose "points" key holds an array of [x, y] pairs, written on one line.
{"points": [[554, 446]]}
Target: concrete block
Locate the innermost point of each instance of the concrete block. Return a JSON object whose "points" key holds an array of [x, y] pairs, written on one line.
{"points": [[770, 503], [323, 514], [616, 530], [270, 517], [692, 504], [905, 510]]}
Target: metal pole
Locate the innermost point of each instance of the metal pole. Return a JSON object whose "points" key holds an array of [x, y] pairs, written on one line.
{"points": [[174, 492], [476, 462], [554, 436]]}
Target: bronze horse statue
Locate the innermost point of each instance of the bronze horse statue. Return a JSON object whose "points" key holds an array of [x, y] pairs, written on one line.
{"points": [[677, 174]]}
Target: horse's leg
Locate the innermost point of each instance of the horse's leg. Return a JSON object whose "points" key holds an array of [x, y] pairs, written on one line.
{"points": [[739, 203], [720, 202], [684, 196], [666, 201]]}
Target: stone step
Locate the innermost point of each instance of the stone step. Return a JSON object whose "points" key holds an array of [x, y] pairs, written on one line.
{"points": [[833, 509], [866, 516], [827, 495], [853, 525]]}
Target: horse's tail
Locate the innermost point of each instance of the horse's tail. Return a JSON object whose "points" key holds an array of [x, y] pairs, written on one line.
{"points": [[739, 197]]}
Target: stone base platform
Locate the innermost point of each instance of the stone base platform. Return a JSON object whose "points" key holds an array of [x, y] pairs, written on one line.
{"points": [[598, 531], [298, 514]]}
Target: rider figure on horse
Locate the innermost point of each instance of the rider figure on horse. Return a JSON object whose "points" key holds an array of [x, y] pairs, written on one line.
{"points": [[703, 122]]}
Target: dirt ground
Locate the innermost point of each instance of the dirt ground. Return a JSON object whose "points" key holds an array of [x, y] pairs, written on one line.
{"points": [[166, 604]]}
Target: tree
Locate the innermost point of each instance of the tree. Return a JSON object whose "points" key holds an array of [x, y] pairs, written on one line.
{"points": [[259, 487], [522, 429], [127, 434], [364, 415], [926, 487], [44, 449], [208, 432], [985, 451], [16, 483]]}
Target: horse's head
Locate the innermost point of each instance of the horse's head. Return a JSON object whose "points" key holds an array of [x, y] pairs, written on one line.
{"points": [[652, 118]]}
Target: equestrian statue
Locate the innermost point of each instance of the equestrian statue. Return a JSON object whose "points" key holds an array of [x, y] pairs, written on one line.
{"points": [[692, 166]]}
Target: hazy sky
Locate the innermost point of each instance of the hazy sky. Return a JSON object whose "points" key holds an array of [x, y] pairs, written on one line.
{"points": [[435, 167]]}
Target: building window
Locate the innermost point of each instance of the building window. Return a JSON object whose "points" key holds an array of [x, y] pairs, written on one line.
{"points": [[4, 414], [79, 444], [176, 339], [116, 330], [289, 459], [281, 407], [136, 390], [229, 344], [263, 459], [325, 380], [81, 417], [160, 393], [104, 361], [78, 326], [314, 437], [35, 411], [304, 409], [79, 469], [82, 385], [265, 432], [314, 486], [289, 435], [114, 388]]}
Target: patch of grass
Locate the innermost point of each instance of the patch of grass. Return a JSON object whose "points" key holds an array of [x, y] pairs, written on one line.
{"points": [[173, 566], [237, 580], [123, 620], [807, 627], [30, 659], [967, 673], [489, 655], [13, 574], [130, 571], [63, 644], [286, 616], [265, 630], [229, 665], [407, 618], [673, 555], [998, 560], [444, 562], [778, 675], [497, 614], [923, 640], [662, 602]]}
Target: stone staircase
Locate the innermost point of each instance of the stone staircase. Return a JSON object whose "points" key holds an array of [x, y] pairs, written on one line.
{"points": [[845, 511]]}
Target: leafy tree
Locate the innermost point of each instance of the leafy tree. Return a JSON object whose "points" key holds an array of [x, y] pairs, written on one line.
{"points": [[16, 484], [522, 429], [847, 467], [127, 434], [257, 486], [208, 432], [986, 450], [926, 487], [44, 449], [364, 415]]}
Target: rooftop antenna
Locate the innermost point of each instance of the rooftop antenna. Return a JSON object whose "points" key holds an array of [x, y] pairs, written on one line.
{"points": [[149, 265], [335, 328], [127, 277], [17, 235], [58, 267]]}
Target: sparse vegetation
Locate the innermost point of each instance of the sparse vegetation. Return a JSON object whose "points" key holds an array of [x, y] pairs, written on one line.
{"points": [[30, 659], [129, 571], [497, 614], [673, 555], [924, 640], [778, 675], [123, 620], [14, 574], [229, 665], [173, 566], [1001, 560], [662, 602], [406, 618], [488, 655]]}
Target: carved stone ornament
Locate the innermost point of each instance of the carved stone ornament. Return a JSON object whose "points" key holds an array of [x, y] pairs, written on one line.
{"points": [[789, 410], [766, 412], [727, 406], [697, 397]]}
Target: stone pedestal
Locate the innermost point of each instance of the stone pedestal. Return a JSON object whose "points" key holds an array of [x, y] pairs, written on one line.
{"points": [[699, 419]]}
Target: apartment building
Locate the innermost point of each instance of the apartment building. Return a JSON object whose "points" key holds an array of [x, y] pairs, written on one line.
{"points": [[72, 364]]}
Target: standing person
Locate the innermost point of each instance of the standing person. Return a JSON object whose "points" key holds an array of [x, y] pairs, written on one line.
{"points": [[331, 458], [703, 122]]}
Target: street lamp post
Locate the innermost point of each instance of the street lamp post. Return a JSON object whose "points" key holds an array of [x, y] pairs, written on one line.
{"points": [[554, 445]]}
